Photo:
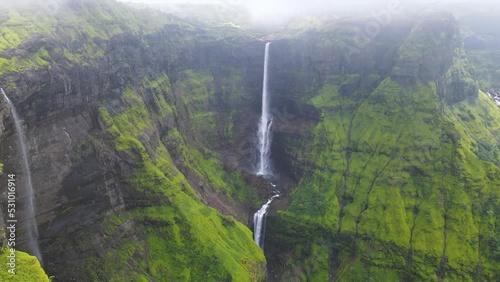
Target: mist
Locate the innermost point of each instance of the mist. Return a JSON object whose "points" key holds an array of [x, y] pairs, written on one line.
{"points": [[279, 12]]}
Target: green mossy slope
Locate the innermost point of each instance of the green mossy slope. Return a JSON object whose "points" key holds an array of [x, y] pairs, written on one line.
{"points": [[399, 181], [27, 268], [73, 33], [408, 191], [180, 238]]}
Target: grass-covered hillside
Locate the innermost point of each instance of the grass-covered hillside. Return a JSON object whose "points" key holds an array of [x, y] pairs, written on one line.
{"points": [[401, 179], [401, 190]]}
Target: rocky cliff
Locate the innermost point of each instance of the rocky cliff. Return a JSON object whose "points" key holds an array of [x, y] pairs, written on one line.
{"points": [[394, 182], [140, 132], [124, 118]]}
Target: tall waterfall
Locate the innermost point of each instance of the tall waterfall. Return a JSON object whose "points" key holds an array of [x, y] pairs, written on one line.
{"points": [[264, 167], [30, 220], [266, 121], [259, 225]]}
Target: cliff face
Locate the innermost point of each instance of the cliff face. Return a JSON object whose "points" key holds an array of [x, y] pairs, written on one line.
{"points": [[123, 124], [140, 131], [393, 182]]}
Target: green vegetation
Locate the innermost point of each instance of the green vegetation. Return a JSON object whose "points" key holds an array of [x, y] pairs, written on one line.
{"points": [[407, 184], [460, 84], [198, 96], [207, 167], [394, 183], [77, 34], [477, 122], [27, 268], [135, 119], [486, 66], [211, 247], [398, 182], [202, 125], [181, 239]]}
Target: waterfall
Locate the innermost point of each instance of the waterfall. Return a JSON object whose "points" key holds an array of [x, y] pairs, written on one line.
{"points": [[30, 211], [264, 166], [264, 133], [259, 225]]}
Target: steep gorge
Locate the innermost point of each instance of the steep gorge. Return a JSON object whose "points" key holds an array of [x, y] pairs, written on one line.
{"points": [[123, 150], [140, 130]]}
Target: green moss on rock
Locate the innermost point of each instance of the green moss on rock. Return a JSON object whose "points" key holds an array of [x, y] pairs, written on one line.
{"points": [[27, 267], [181, 239], [403, 180]]}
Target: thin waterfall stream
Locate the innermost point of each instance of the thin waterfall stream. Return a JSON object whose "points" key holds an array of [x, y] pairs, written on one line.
{"points": [[32, 227]]}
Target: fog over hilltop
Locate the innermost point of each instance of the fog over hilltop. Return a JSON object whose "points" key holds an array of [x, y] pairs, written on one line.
{"points": [[280, 11]]}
